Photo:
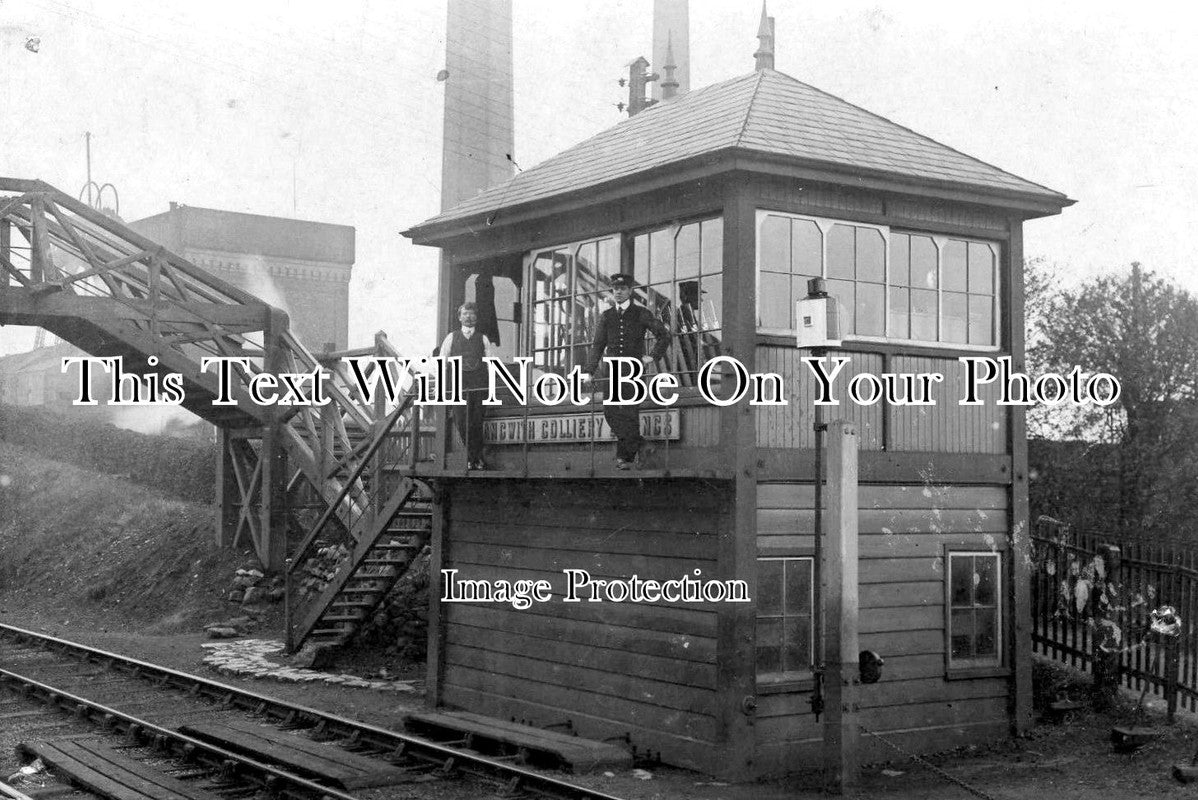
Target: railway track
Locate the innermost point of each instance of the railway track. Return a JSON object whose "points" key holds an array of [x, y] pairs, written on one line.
{"points": [[121, 719]]}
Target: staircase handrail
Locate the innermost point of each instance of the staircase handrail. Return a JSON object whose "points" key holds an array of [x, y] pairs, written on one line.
{"points": [[376, 444]]}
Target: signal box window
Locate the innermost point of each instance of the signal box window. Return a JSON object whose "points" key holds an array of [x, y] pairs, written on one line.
{"points": [[974, 609], [784, 632]]}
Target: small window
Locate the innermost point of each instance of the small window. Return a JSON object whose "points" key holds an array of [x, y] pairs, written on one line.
{"points": [[974, 609], [784, 634]]}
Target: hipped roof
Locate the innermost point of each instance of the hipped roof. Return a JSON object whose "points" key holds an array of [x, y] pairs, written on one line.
{"points": [[766, 114]]}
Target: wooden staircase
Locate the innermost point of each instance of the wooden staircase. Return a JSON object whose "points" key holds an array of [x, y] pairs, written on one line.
{"points": [[103, 287], [367, 572]]}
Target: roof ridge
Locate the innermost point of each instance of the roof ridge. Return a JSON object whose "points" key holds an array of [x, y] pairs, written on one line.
{"points": [[916, 133], [744, 126], [612, 131]]}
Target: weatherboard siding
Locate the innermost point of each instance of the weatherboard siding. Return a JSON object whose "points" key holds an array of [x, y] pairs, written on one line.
{"points": [[946, 427], [608, 668], [903, 532]]}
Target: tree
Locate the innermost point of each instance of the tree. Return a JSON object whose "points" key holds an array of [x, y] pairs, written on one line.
{"points": [[1143, 330]]}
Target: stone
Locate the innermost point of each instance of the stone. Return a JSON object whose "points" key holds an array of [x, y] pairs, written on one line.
{"points": [[222, 633]]}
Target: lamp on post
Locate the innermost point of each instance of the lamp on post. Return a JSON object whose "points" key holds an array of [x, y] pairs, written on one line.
{"points": [[817, 318]]}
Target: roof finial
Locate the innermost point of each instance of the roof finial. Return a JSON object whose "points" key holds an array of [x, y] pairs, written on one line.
{"points": [[669, 86], [765, 35]]}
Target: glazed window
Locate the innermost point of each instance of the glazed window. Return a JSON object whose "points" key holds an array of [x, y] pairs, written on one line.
{"points": [[568, 289], [891, 285], [784, 633], [680, 272], [974, 609]]}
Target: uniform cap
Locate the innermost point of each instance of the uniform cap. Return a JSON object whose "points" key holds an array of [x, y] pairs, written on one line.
{"points": [[622, 281]]}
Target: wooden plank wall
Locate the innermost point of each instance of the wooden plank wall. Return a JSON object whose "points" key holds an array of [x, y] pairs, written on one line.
{"points": [[903, 530], [607, 668], [944, 428], [791, 425]]}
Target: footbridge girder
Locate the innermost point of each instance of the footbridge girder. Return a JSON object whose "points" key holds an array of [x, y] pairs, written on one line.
{"points": [[101, 286]]}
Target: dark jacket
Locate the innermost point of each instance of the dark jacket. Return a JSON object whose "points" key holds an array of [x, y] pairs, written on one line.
{"points": [[624, 335]]}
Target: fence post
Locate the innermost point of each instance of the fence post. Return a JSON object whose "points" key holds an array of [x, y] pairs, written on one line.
{"points": [[1106, 660], [1171, 666]]}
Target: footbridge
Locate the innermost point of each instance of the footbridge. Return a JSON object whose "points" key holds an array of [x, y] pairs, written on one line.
{"points": [[320, 492]]}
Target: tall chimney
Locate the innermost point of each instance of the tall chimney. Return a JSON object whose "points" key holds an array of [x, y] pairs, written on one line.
{"points": [[479, 119], [765, 37], [671, 30]]}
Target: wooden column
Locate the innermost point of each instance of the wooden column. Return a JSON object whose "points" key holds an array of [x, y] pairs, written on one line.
{"points": [[1018, 572], [228, 494], [5, 254], [736, 670], [838, 575], [272, 549]]}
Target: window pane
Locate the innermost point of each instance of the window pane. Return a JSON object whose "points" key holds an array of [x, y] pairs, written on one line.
{"points": [[953, 272], [961, 577], [808, 249], [871, 255], [774, 301], [686, 250], [841, 252], [986, 633], [843, 292], [923, 262], [562, 273], [774, 244], [900, 313], [659, 299], [586, 270], [542, 276], [981, 268], [712, 299], [769, 587], [796, 648], [962, 634], [798, 586], [956, 318], [609, 258], [923, 315], [713, 245], [661, 256], [900, 259], [769, 645], [985, 580], [640, 258], [871, 313], [981, 319]]}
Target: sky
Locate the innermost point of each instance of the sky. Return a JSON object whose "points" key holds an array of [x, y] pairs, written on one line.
{"points": [[332, 111]]}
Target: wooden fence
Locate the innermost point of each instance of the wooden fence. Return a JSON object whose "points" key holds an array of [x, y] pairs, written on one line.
{"points": [[1069, 622]]}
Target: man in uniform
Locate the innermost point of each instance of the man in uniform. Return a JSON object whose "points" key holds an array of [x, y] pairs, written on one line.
{"points": [[621, 332], [470, 344]]}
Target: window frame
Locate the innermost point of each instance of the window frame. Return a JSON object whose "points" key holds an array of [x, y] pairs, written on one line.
{"points": [[529, 300], [794, 680], [939, 240], [998, 666]]}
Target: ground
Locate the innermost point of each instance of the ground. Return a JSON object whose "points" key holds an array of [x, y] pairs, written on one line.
{"points": [[117, 566]]}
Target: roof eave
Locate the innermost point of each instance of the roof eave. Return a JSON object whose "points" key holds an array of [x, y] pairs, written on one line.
{"points": [[1029, 205]]}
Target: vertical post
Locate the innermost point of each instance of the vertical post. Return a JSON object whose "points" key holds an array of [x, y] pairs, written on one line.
{"points": [[736, 550], [228, 493], [838, 574], [37, 239], [1018, 569], [5, 253], [272, 456]]}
